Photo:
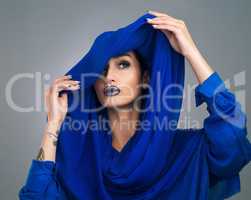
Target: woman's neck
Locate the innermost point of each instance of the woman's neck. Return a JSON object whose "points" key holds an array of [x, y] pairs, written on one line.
{"points": [[123, 124]]}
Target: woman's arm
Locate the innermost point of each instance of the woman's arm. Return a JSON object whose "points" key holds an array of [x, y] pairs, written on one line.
{"points": [[199, 65], [225, 127], [228, 148], [48, 145], [225, 131], [57, 108], [41, 182], [224, 137]]}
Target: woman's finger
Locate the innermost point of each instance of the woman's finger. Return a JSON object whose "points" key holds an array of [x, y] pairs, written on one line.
{"points": [[166, 27], [164, 15], [69, 82], [56, 88], [160, 21], [65, 83], [68, 85], [166, 20], [61, 78]]}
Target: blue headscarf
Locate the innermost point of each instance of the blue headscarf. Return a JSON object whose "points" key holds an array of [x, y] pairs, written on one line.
{"points": [[86, 163]]}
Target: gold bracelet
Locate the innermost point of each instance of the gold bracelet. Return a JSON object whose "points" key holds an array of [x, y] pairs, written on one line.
{"points": [[48, 128], [53, 135]]}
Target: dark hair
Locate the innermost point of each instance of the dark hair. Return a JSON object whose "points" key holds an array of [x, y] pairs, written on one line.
{"points": [[143, 64]]}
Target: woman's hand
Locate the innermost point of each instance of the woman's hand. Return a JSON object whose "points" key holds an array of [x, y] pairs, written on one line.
{"points": [[175, 30], [57, 106], [181, 40]]}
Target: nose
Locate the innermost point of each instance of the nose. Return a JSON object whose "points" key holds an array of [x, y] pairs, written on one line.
{"points": [[108, 76]]}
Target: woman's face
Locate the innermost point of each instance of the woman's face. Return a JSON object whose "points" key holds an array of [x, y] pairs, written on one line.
{"points": [[121, 82]]}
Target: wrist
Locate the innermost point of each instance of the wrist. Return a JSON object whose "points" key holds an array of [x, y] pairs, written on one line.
{"points": [[192, 54], [53, 126], [196, 59]]}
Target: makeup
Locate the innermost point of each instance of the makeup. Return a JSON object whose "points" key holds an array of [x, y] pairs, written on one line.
{"points": [[111, 90]]}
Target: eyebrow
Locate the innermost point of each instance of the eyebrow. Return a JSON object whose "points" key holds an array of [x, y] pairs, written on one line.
{"points": [[121, 55], [124, 54]]}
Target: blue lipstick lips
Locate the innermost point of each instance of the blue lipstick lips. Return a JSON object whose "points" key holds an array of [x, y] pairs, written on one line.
{"points": [[111, 90]]}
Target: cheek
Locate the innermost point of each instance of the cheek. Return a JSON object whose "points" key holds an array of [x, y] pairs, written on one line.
{"points": [[130, 84]]}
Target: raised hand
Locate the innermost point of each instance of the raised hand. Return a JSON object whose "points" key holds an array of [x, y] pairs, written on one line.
{"points": [[57, 105], [175, 30]]}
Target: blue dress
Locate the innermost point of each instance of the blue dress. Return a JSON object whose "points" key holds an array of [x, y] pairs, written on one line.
{"points": [[224, 148]]}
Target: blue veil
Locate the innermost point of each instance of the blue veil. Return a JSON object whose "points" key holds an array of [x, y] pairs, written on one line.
{"points": [[86, 163]]}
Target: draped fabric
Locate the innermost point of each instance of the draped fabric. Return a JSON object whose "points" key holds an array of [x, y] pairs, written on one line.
{"points": [[156, 163], [134, 174]]}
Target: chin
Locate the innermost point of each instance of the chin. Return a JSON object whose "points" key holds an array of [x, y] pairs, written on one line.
{"points": [[112, 102]]}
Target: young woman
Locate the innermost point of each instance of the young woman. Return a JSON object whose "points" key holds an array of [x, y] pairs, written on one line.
{"points": [[131, 161]]}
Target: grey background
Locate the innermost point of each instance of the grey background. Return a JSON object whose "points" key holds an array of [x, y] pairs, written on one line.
{"points": [[49, 36]]}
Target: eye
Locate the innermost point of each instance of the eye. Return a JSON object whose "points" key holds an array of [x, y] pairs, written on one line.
{"points": [[124, 64]]}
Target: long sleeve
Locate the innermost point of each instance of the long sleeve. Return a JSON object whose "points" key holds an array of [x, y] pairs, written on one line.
{"points": [[228, 149], [41, 182]]}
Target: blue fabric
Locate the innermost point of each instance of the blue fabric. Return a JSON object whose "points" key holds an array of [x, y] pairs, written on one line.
{"points": [[155, 163]]}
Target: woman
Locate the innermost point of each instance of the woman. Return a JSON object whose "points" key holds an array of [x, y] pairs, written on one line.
{"points": [[139, 162]]}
